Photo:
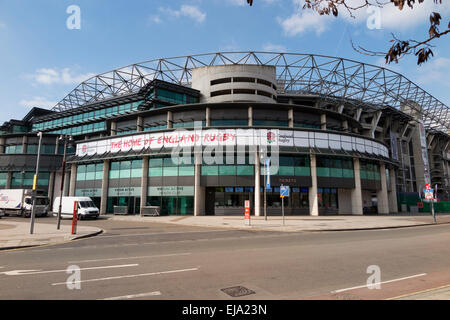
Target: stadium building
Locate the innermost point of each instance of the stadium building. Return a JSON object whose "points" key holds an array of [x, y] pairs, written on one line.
{"points": [[347, 137]]}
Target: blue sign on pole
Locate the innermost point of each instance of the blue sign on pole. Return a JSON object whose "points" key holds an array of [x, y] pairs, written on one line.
{"points": [[268, 173], [284, 191]]}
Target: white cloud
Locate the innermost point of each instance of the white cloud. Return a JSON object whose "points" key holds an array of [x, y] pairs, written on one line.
{"points": [[391, 18], [189, 11], [240, 3], [38, 102], [435, 72], [2, 25], [274, 47], [306, 21], [55, 76]]}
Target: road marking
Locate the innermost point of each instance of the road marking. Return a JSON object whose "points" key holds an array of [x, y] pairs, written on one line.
{"points": [[162, 233], [129, 276], [137, 257], [419, 292], [30, 272], [383, 282], [133, 296]]}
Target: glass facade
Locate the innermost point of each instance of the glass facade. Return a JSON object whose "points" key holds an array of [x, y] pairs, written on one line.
{"points": [[85, 117], [291, 166], [3, 179], [174, 97], [25, 180], [370, 170], [328, 198], [15, 149], [334, 167], [84, 129]]}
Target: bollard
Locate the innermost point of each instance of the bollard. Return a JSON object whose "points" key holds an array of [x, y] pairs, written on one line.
{"points": [[75, 217]]}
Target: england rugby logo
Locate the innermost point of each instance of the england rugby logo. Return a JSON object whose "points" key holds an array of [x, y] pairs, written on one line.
{"points": [[271, 137]]}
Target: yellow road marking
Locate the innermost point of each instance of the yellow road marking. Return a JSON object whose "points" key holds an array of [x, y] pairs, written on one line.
{"points": [[419, 292]]}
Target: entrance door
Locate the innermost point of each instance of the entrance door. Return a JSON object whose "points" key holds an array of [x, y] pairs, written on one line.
{"points": [[209, 201]]}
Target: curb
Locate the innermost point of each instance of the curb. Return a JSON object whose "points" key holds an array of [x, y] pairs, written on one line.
{"points": [[49, 244], [252, 228]]}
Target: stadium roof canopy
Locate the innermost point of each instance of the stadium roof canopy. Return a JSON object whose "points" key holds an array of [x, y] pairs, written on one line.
{"points": [[332, 78]]}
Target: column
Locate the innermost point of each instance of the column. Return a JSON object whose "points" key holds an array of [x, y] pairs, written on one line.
{"points": [[139, 124], [345, 125], [169, 120], [393, 206], [382, 196], [2, 145], [313, 198], [208, 116], [66, 184], [73, 179], [291, 117], [356, 193], [113, 128], [257, 185], [24, 144], [323, 121], [8, 180], [105, 186], [51, 188], [199, 191], [250, 116], [144, 182]]}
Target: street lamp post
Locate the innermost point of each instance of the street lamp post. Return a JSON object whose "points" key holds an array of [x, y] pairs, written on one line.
{"points": [[263, 158], [35, 181], [65, 139]]}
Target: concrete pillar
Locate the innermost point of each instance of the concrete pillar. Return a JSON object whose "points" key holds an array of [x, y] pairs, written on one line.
{"points": [[208, 116], [2, 145], [345, 125], [382, 196], [144, 182], [105, 186], [113, 128], [169, 120], [140, 124], [323, 121], [250, 116], [57, 145], [51, 188], [393, 206], [66, 184], [199, 191], [24, 144], [291, 118], [8, 180], [313, 197], [356, 193], [257, 185], [73, 179]]}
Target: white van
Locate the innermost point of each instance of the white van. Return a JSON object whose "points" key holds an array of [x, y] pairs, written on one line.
{"points": [[86, 207]]}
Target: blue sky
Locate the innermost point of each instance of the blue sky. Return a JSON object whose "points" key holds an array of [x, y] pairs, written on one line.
{"points": [[41, 60]]}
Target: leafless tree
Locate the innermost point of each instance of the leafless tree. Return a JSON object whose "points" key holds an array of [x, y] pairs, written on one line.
{"points": [[399, 48]]}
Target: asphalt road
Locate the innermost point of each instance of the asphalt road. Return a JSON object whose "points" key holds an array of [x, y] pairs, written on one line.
{"points": [[136, 260]]}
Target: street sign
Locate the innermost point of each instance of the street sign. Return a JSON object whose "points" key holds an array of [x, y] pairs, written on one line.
{"points": [[268, 173], [247, 212], [284, 191]]}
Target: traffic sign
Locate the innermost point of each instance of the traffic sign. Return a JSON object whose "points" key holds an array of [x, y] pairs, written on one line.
{"points": [[247, 212], [284, 191]]}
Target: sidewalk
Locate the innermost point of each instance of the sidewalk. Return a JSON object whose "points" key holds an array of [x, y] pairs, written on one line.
{"points": [[442, 293], [17, 234], [294, 223]]}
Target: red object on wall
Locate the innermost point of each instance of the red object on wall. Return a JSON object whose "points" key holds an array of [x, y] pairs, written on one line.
{"points": [[420, 205]]}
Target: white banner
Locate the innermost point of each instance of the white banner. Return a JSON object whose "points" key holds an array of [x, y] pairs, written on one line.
{"points": [[231, 137]]}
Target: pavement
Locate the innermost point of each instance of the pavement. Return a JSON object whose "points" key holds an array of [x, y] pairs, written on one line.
{"points": [[166, 261], [15, 234], [294, 223]]}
